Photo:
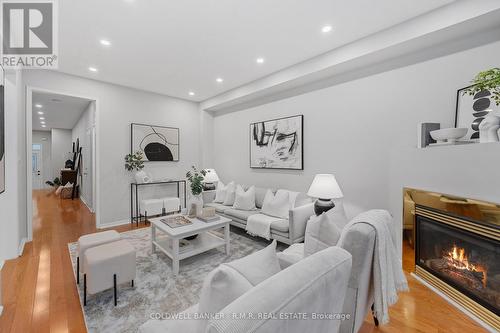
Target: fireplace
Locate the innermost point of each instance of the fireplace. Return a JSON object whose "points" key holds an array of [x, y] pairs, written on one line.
{"points": [[457, 250], [466, 261]]}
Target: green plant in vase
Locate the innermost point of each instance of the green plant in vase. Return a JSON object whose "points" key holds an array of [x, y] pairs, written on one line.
{"points": [[486, 80], [195, 178], [135, 162]]}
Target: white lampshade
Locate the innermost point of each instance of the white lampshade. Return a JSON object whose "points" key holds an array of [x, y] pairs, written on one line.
{"points": [[211, 176], [325, 186]]}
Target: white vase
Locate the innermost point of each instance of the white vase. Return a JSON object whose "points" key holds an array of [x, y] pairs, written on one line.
{"points": [[195, 205], [142, 177]]}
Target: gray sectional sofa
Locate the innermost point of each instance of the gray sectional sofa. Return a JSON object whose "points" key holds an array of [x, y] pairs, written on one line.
{"points": [[287, 231]]}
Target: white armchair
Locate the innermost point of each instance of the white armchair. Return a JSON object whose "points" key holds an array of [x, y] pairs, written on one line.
{"points": [[305, 287], [359, 241]]}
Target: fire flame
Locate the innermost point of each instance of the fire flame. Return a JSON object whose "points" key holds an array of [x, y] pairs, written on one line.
{"points": [[458, 259]]}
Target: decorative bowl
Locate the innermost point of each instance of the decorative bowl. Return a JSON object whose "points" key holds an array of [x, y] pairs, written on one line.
{"points": [[448, 134]]}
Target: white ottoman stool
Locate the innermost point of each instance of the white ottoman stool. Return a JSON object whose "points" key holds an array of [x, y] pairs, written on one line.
{"points": [[171, 204], [106, 266], [86, 242], [150, 207]]}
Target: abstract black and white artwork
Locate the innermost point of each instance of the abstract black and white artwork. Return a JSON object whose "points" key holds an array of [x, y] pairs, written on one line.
{"points": [[158, 143], [277, 144], [2, 141], [471, 111]]}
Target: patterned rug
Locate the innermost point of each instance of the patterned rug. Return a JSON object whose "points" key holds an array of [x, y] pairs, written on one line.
{"points": [[156, 290]]}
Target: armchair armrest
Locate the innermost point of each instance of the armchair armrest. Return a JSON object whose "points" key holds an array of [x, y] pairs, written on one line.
{"points": [[208, 196], [298, 218]]}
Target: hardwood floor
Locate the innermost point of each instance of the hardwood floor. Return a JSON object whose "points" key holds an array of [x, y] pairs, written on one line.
{"points": [[39, 292]]}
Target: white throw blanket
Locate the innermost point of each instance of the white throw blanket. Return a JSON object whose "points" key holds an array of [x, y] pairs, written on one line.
{"points": [[260, 225], [388, 275]]}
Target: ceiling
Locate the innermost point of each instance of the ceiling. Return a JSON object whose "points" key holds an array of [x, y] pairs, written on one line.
{"points": [[59, 111], [174, 47]]}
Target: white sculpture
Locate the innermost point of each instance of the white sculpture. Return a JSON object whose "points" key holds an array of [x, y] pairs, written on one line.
{"points": [[488, 128]]}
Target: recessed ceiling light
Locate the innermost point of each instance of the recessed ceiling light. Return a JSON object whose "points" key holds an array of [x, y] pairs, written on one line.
{"points": [[260, 60], [42, 118], [326, 29], [38, 105], [40, 112], [42, 122], [191, 93], [105, 42], [44, 126], [93, 69], [219, 80]]}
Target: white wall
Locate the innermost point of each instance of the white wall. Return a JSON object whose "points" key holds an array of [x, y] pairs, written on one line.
{"points": [[364, 131], [117, 107], [80, 132], [61, 149], [45, 139], [13, 201]]}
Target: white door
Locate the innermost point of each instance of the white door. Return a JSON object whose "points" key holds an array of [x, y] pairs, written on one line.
{"points": [[87, 168], [37, 166]]}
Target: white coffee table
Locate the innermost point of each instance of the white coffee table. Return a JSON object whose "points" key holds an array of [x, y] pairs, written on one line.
{"points": [[167, 239]]}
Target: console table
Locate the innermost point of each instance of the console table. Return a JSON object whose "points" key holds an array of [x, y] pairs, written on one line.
{"points": [[135, 215]]}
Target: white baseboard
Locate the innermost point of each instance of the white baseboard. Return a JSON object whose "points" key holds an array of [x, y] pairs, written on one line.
{"points": [[113, 224], [455, 304], [20, 250]]}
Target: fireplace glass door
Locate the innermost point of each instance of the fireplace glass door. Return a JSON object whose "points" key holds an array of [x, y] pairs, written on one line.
{"points": [[466, 261]]}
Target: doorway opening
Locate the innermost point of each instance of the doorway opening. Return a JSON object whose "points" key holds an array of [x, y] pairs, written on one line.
{"points": [[62, 148]]}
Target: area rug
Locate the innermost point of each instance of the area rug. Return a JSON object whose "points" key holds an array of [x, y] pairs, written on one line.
{"points": [[156, 290]]}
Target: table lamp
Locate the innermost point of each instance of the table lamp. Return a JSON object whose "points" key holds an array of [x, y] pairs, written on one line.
{"points": [[210, 179], [325, 188]]}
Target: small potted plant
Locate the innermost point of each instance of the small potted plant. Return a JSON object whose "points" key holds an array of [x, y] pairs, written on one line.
{"points": [[195, 178], [487, 80], [135, 162]]}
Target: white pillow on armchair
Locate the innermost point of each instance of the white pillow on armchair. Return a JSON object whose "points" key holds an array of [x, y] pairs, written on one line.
{"points": [[231, 280], [324, 230]]}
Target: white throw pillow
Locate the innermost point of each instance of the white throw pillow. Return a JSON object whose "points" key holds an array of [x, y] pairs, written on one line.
{"points": [[244, 200], [324, 231], [230, 194], [220, 192], [231, 280], [221, 287], [277, 205], [259, 265]]}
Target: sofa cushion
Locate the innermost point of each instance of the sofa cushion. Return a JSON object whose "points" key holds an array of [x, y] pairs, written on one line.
{"points": [[259, 265], [244, 200], [219, 208], [276, 205], [230, 194], [260, 194], [324, 231], [221, 286], [280, 225], [220, 192], [240, 214]]}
